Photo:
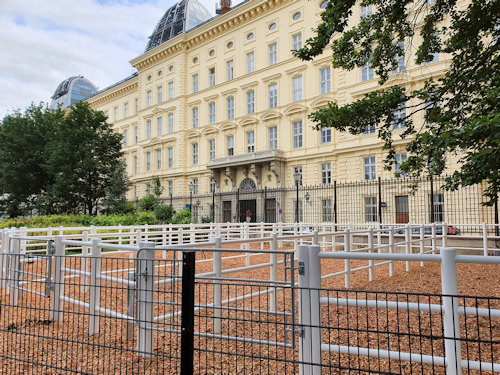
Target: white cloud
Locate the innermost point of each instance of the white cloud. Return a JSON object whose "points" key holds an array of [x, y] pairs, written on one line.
{"points": [[44, 42]]}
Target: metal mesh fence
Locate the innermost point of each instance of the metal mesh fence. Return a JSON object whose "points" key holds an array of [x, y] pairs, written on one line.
{"points": [[119, 315]]}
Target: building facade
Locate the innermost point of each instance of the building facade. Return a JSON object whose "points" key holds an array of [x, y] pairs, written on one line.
{"points": [[222, 104]]}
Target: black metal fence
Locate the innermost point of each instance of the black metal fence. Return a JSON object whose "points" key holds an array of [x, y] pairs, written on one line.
{"points": [[399, 200], [143, 316]]}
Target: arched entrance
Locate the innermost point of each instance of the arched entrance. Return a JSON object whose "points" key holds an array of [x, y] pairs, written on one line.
{"points": [[247, 207]]}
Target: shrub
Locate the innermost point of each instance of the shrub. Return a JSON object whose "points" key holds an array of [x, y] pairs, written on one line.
{"points": [[182, 217], [148, 203], [163, 213], [145, 218], [206, 219]]}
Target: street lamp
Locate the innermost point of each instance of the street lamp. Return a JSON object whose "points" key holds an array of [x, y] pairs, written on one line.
{"points": [[191, 188], [296, 177]]}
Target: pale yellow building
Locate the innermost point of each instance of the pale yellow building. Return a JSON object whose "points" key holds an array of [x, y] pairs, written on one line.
{"points": [[222, 103]]}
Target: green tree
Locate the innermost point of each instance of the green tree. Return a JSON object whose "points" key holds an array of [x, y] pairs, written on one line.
{"points": [[114, 200], [24, 178], [461, 107], [157, 189], [85, 157]]}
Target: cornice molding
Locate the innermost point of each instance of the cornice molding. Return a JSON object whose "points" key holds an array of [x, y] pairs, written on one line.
{"points": [[111, 95], [212, 29]]}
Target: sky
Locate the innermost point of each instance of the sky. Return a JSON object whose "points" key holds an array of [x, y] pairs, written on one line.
{"points": [[44, 42]]}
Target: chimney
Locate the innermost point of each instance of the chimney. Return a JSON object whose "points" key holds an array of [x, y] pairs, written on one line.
{"points": [[225, 5]]}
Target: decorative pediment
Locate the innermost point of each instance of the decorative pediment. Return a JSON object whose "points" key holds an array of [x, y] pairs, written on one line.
{"points": [[248, 120], [249, 85], [211, 98], [193, 134], [228, 126], [294, 109], [296, 70], [270, 115], [322, 101], [170, 140], [153, 142], [273, 77], [194, 103], [229, 92], [210, 130]]}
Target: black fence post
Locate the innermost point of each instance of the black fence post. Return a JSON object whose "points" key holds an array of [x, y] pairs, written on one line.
{"points": [[497, 229], [335, 204], [187, 323], [379, 200], [431, 200]]}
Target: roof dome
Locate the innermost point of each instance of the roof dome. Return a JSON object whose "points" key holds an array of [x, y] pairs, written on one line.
{"points": [[71, 91], [180, 18]]}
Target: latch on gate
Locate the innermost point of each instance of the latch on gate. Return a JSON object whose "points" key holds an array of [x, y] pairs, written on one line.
{"points": [[302, 268]]}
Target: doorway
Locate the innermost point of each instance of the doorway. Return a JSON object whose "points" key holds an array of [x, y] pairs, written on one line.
{"points": [[249, 206], [402, 209], [270, 211], [226, 212]]}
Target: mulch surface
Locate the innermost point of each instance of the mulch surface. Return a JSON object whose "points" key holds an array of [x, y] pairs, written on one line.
{"points": [[32, 343]]}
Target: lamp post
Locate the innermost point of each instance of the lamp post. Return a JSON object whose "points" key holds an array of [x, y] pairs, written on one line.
{"points": [[191, 188], [296, 177], [213, 204]]}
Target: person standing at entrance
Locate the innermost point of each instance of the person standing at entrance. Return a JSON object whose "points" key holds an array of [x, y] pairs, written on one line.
{"points": [[249, 216]]}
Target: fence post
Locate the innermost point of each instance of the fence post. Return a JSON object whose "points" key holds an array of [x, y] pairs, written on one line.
{"points": [[274, 270], [422, 227], [187, 322], [95, 286], [450, 312], [3, 261], [247, 244], [485, 240], [433, 238], [217, 268], [15, 271], [315, 238], [130, 306], [305, 343], [262, 235], [145, 304], [391, 250], [347, 262], [408, 247], [57, 304], [444, 231], [192, 234], [314, 275], [371, 262], [180, 236], [84, 263], [120, 231]]}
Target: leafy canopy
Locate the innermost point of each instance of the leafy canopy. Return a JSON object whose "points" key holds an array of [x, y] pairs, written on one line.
{"points": [[460, 107], [60, 162]]}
